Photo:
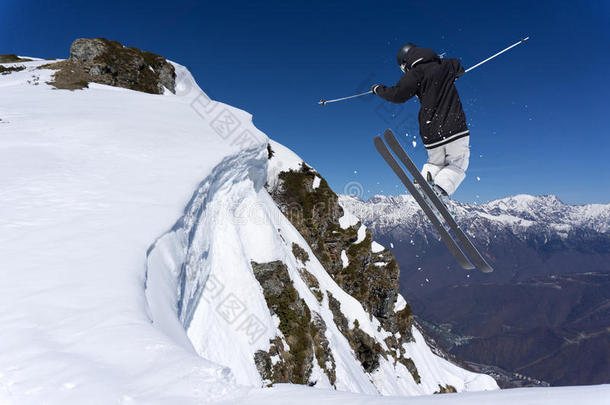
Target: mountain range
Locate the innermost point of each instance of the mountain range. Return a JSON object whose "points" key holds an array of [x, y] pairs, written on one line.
{"points": [[543, 313]]}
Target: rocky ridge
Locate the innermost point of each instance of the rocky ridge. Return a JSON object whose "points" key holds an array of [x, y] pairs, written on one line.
{"points": [[99, 60], [361, 267]]}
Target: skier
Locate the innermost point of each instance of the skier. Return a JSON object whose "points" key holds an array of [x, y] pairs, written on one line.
{"points": [[442, 123]]}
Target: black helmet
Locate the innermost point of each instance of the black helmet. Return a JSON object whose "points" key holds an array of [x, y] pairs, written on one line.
{"points": [[401, 58]]}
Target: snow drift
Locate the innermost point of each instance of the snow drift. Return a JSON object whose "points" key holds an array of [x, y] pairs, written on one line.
{"points": [[90, 180]]}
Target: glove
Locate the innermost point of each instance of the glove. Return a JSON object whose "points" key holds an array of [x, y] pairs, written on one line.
{"points": [[375, 87]]}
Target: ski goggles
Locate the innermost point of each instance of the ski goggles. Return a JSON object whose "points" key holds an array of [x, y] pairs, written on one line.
{"points": [[404, 68]]}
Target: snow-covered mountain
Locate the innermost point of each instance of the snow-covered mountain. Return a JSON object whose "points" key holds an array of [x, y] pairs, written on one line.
{"points": [[519, 213], [541, 313], [541, 228], [152, 251]]}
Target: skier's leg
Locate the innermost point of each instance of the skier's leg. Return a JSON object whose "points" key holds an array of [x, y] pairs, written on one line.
{"points": [[436, 161], [456, 163]]}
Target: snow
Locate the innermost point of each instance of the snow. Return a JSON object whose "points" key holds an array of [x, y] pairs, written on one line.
{"points": [[91, 179], [376, 247], [344, 259], [348, 219], [284, 160], [400, 303], [299, 395], [318, 375], [316, 182], [361, 233], [433, 369], [508, 219]]}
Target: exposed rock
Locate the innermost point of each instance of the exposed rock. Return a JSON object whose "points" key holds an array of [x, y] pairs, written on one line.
{"points": [[264, 365], [312, 283], [96, 70], [270, 152], [69, 75], [11, 58], [8, 70], [300, 253], [299, 331], [86, 50], [372, 278], [322, 350], [447, 389], [107, 62], [367, 349], [167, 74]]}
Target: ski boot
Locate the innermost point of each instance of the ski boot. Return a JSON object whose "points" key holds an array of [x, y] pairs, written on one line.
{"points": [[440, 193], [444, 197], [426, 198]]}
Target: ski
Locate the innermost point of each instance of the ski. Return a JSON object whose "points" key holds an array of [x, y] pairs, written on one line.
{"points": [[470, 249], [445, 236]]}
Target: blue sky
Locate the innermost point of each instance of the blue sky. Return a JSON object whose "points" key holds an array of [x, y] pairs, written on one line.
{"points": [[538, 114]]}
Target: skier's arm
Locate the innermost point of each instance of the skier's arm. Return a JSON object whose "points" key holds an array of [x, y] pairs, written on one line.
{"points": [[457, 67], [404, 89]]}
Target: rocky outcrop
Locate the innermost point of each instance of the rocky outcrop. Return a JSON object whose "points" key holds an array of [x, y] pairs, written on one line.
{"points": [[367, 349], [369, 275], [108, 62], [12, 58], [447, 389], [290, 356], [8, 70]]}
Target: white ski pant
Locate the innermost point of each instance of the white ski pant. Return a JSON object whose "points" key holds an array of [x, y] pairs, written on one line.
{"points": [[448, 163]]}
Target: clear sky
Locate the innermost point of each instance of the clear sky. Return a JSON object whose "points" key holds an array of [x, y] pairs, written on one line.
{"points": [[538, 114]]}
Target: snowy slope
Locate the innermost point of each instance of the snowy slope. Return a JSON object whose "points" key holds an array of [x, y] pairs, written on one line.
{"points": [[90, 180], [298, 395]]}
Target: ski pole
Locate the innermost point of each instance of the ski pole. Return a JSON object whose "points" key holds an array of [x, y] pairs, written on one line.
{"points": [[324, 102], [493, 56]]}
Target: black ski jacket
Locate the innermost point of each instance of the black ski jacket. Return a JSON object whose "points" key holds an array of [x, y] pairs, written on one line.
{"points": [[431, 79]]}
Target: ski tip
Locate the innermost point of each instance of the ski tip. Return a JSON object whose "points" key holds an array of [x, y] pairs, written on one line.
{"points": [[389, 136], [486, 269], [322, 102], [378, 142]]}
